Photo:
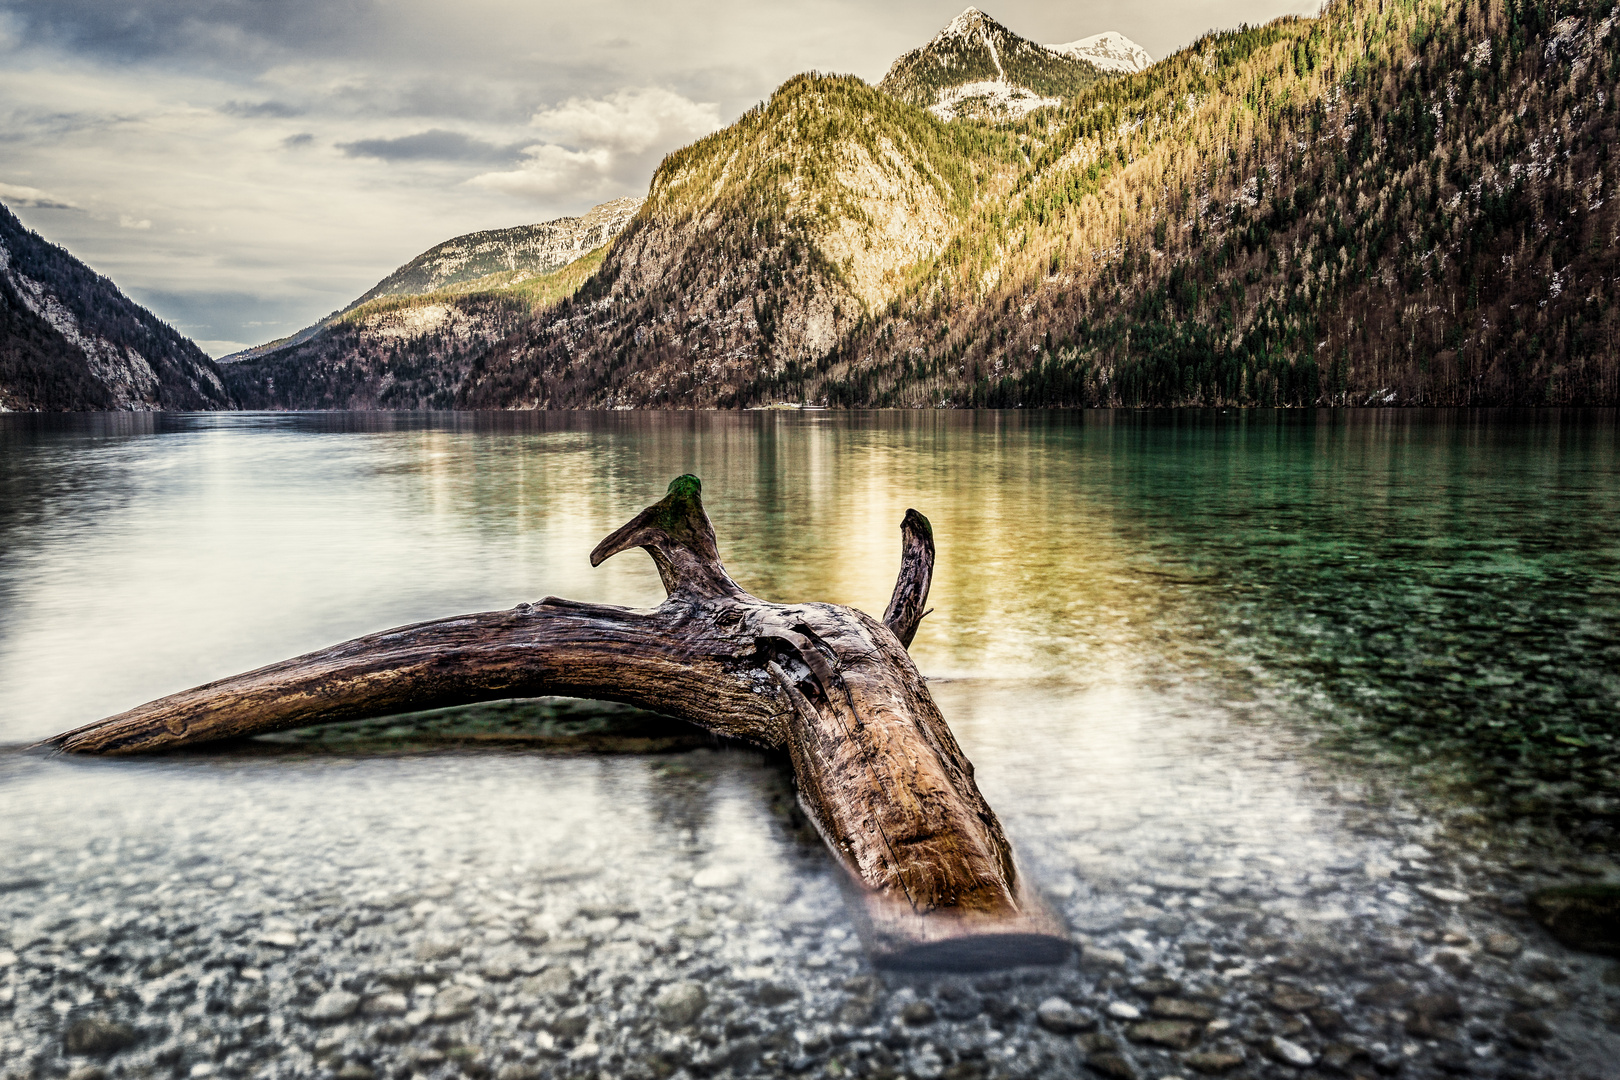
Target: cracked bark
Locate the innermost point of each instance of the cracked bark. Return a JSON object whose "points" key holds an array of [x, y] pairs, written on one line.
{"points": [[877, 767]]}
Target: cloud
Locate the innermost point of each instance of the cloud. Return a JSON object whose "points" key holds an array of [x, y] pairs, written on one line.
{"points": [[278, 110], [18, 195], [436, 144], [294, 142], [603, 146], [127, 222]]}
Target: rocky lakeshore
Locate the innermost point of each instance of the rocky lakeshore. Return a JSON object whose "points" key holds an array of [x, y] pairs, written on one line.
{"points": [[1359, 941]]}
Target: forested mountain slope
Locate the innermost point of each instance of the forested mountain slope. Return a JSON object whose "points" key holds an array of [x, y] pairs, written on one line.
{"points": [[71, 341], [1397, 202]]}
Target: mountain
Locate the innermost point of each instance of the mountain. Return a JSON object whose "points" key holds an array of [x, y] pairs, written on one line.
{"points": [[1111, 51], [407, 341], [527, 249], [1391, 203], [71, 341], [977, 67]]}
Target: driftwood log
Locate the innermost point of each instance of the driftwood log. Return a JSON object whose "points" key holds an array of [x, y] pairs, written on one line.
{"points": [[876, 765]]}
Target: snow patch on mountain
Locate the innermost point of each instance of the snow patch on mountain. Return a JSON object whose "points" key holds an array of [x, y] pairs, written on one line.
{"points": [[1110, 51], [993, 98]]}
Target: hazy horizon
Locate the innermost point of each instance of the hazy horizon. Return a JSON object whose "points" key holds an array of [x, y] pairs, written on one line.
{"points": [[245, 171]]}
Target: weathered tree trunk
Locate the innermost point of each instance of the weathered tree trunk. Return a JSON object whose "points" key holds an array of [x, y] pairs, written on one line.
{"points": [[877, 767]]}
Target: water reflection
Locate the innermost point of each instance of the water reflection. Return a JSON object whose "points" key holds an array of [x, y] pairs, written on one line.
{"points": [[1142, 625]]}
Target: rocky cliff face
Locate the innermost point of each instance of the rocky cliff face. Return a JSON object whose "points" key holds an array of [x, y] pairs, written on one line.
{"points": [[71, 341]]}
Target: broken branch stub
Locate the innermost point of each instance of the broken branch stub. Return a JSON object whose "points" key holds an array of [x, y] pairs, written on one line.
{"points": [[877, 767]]}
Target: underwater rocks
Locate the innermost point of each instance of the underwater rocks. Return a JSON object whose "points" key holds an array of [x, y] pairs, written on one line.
{"points": [[1585, 917]]}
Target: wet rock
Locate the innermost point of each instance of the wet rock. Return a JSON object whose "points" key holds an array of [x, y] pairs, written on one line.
{"points": [[1097, 958], [1169, 1008], [1500, 943], [771, 995], [1293, 999], [570, 1025], [1342, 1056], [98, 1035], [1585, 917], [1542, 968], [1152, 988], [1176, 1034], [434, 950], [1454, 964], [1211, 1062], [333, 1005], [392, 1003], [680, 1004], [550, 983], [89, 1072], [1327, 1021], [1195, 955], [1388, 993], [1120, 1010], [1289, 1053], [1110, 1065], [1440, 1006], [453, 1003], [1526, 1029], [1444, 895], [918, 1013], [1058, 1016], [356, 1070], [1097, 1042]]}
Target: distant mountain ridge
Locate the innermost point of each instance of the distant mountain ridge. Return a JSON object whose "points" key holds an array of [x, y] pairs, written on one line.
{"points": [[523, 249], [407, 342], [1109, 51], [977, 67], [71, 341]]}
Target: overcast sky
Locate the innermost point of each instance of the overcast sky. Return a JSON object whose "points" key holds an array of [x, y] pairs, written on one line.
{"points": [[244, 167]]}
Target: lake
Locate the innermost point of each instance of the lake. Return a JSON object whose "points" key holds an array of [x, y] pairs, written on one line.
{"points": [[1285, 712]]}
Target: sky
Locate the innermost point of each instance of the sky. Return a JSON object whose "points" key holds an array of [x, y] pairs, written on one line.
{"points": [[245, 167]]}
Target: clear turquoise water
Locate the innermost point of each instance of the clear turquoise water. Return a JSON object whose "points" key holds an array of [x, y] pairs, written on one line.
{"points": [[1197, 658]]}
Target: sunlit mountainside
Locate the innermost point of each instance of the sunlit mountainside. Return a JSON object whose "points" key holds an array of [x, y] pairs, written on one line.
{"points": [[1394, 203]]}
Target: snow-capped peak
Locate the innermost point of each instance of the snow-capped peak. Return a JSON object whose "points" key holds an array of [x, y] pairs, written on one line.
{"points": [[1111, 51], [964, 25]]}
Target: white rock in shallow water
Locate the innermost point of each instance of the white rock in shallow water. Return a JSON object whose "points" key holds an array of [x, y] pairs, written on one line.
{"points": [[281, 939], [454, 1002], [7, 958], [1447, 896], [334, 1005], [391, 1003], [1058, 1016], [224, 881], [680, 1004], [1121, 1011], [1290, 1052], [715, 877]]}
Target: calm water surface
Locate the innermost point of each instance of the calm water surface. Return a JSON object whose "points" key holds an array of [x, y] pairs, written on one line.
{"points": [[1285, 712]]}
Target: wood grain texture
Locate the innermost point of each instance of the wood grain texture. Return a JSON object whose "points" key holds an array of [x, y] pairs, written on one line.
{"points": [[877, 767]]}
